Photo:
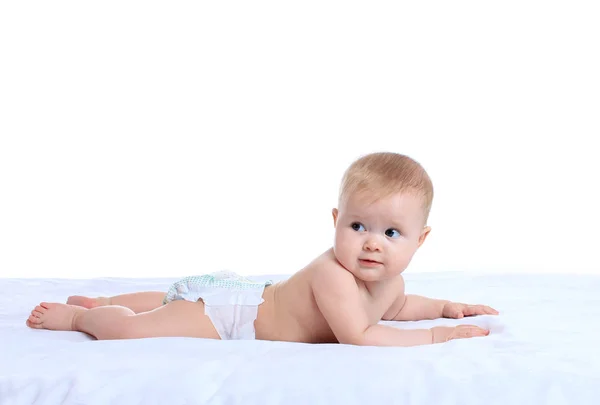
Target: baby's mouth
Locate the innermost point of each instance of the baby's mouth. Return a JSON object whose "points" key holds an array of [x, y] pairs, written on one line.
{"points": [[369, 263]]}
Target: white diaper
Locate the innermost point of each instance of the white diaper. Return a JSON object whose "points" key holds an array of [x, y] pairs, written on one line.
{"points": [[230, 301]]}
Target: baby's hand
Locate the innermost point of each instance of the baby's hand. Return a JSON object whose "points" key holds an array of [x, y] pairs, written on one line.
{"points": [[458, 310], [443, 334]]}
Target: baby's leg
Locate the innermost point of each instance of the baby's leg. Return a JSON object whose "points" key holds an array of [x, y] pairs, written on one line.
{"points": [[177, 318], [137, 302]]}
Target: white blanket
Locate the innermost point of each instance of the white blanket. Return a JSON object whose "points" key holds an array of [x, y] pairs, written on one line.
{"points": [[542, 350]]}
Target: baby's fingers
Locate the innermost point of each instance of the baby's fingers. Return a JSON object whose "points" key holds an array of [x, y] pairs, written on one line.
{"points": [[490, 310], [469, 331], [479, 310]]}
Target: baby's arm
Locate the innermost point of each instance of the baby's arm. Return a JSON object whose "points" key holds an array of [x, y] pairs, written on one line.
{"points": [[338, 298], [415, 308]]}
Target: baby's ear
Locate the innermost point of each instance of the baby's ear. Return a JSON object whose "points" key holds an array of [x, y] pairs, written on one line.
{"points": [[334, 212], [424, 234]]}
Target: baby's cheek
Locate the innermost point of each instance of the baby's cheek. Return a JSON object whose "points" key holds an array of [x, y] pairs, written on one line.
{"points": [[338, 247], [341, 240], [343, 252], [405, 259]]}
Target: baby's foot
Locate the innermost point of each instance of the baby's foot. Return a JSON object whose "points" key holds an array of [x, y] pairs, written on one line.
{"points": [[88, 302], [54, 316]]}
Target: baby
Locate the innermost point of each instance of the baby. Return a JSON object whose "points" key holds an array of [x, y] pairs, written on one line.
{"points": [[339, 297]]}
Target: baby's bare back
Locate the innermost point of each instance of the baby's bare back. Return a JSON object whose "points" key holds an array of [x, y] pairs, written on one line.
{"points": [[290, 311]]}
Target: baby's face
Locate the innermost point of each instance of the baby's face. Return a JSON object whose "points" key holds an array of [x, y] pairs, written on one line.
{"points": [[377, 241]]}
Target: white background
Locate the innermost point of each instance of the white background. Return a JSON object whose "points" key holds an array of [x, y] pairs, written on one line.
{"points": [[156, 139]]}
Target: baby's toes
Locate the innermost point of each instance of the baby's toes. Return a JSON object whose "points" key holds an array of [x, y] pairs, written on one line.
{"points": [[33, 321], [34, 325]]}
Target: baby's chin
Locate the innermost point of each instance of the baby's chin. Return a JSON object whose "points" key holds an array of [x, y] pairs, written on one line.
{"points": [[363, 274], [374, 275], [367, 275]]}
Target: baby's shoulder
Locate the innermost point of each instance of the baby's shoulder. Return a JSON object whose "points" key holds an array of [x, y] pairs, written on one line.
{"points": [[326, 269]]}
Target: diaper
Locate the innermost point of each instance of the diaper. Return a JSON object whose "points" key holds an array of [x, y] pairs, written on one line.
{"points": [[230, 301]]}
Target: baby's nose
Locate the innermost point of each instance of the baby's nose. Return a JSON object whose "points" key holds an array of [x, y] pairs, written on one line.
{"points": [[371, 245]]}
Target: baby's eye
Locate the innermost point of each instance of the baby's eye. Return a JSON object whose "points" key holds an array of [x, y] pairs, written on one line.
{"points": [[392, 233], [357, 226]]}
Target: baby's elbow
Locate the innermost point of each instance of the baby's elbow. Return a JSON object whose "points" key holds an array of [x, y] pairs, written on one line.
{"points": [[354, 338]]}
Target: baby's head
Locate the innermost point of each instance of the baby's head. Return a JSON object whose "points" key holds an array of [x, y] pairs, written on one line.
{"points": [[383, 206]]}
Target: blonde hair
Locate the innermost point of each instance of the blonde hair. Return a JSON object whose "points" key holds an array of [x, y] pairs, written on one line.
{"points": [[382, 174]]}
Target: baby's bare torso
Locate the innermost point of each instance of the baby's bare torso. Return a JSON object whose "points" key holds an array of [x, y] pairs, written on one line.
{"points": [[290, 312]]}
